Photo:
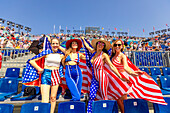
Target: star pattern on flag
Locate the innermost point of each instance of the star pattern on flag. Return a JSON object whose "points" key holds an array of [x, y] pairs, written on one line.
{"points": [[31, 73]]}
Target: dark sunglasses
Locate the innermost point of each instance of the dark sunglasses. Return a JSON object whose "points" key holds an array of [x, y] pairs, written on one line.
{"points": [[115, 45]]}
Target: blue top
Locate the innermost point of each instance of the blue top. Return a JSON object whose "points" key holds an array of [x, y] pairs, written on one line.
{"points": [[69, 59]]}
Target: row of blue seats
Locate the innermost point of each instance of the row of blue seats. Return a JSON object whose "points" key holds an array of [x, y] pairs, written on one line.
{"points": [[155, 71], [164, 80], [16, 51], [103, 106], [148, 59]]}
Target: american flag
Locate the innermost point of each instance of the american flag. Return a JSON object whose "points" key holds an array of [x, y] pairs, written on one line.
{"points": [[116, 87], [143, 87], [31, 77]]}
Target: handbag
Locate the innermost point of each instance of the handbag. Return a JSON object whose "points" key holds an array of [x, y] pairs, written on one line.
{"points": [[29, 91]]}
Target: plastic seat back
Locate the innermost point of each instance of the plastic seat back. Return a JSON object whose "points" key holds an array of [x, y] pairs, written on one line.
{"points": [[136, 106], [165, 82], [6, 108], [36, 108], [71, 107], [158, 108], [144, 69], [155, 71], [12, 72], [105, 106], [166, 71], [8, 85]]}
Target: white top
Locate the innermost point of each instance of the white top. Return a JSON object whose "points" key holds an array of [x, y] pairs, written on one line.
{"points": [[53, 60]]}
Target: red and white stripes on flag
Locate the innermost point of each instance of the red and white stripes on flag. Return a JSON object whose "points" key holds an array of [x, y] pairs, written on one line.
{"points": [[143, 87]]}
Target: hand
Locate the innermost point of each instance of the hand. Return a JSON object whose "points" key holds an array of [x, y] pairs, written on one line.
{"points": [[137, 73], [40, 71], [125, 80], [82, 37]]}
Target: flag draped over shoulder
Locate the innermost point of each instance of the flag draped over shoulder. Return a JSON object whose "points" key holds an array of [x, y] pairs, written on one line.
{"points": [[143, 87], [116, 87], [31, 76]]}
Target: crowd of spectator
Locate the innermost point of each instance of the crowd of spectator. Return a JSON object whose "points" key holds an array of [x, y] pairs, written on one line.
{"points": [[9, 38]]}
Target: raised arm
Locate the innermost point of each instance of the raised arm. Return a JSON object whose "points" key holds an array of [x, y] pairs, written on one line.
{"points": [[34, 64], [127, 68], [62, 49], [87, 46]]}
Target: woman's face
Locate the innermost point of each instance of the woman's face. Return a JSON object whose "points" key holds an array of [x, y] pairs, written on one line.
{"points": [[55, 45], [100, 45], [117, 46], [74, 45]]}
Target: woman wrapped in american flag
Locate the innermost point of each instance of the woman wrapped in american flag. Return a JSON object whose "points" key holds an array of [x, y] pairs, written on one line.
{"points": [[50, 77], [143, 86], [100, 80]]}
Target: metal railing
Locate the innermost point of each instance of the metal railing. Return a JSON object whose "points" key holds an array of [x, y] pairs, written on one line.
{"points": [[18, 57], [149, 58], [14, 58]]}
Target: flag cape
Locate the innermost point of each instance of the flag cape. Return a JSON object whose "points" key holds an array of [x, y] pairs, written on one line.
{"points": [[31, 76]]}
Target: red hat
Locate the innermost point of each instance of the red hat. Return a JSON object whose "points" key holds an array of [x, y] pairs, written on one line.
{"points": [[72, 40]]}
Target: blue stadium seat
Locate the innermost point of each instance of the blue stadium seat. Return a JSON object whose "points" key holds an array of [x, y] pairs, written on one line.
{"points": [[136, 106], [12, 73], [71, 107], [158, 108], [8, 87], [36, 108], [166, 71], [144, 69], [155, 79], [105, 106], [155, 71], [165, 82], [6, 108]]}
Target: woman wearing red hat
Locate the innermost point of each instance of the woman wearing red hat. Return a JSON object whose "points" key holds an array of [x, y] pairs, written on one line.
{"points": [[73, 73]]}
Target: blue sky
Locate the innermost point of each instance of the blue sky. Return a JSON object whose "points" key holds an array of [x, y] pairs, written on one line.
{"points": [[42, 15]]}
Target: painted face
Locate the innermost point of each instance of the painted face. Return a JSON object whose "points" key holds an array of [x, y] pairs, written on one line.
{"points": [[55, 44], [100, 45], [117, 46], [74, 45]]}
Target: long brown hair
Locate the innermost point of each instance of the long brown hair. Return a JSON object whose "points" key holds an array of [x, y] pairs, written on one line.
{"points": [[68, 51]]}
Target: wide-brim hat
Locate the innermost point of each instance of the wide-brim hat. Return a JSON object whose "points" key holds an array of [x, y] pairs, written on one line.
{"points": [[72, 40], [107, 43]]}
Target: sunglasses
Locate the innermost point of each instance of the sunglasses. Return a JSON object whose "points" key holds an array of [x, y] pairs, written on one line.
{"points": [[101, 43], [115, 45]]}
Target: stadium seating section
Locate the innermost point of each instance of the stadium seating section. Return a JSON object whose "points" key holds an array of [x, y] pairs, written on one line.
{"points": [[136, 106], [105, 106], [36, 108], [71, 107]]}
